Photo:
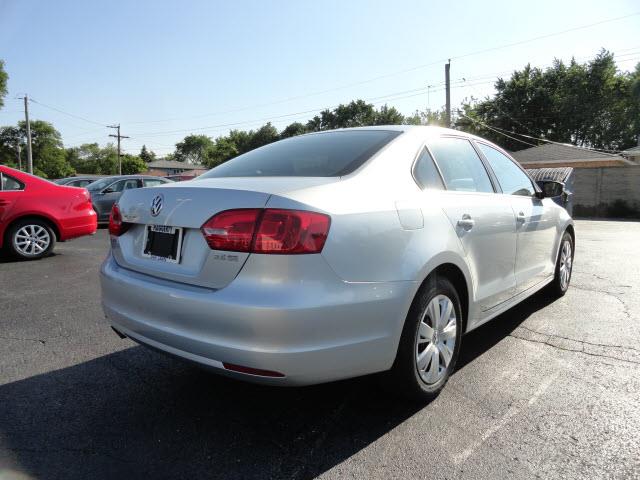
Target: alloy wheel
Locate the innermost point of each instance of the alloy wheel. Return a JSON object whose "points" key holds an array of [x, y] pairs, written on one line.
{"points": [[31, 240], [566, 262], [436, 339]]}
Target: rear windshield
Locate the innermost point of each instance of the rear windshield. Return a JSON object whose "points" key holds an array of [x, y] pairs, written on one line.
{"points": [[331, 154]]}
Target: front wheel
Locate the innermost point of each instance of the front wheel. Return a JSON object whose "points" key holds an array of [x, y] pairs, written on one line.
{"points": [[564, 265], [31, 239], [430, 341]]}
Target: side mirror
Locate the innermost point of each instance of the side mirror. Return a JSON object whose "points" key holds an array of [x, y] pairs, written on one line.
{"points": [[108, 190], [550, 189]]}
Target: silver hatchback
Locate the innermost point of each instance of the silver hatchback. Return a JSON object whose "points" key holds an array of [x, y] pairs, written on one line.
{"points": [[335, 254]]}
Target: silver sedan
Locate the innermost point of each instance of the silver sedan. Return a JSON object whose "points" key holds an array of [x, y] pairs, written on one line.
{"points": [[335, 254]]}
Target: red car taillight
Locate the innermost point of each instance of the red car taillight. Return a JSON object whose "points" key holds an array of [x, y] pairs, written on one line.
{"points": [[267, 231], [116, 226], [231, 229]]}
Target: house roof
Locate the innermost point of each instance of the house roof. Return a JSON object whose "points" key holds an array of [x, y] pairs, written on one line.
{"points": [[176, 165], [633, 150], [554, 153]]}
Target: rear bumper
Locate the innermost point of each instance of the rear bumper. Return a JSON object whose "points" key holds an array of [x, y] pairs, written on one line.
{"points": [[79, 226], [311, 331]]}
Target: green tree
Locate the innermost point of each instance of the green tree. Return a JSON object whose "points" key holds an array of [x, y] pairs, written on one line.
{"points": [[193, 149], [357, 113], [223, 150], [147, 155], [263, 136], [426, 117], [388, 116], [3, 83], [132, 164], [292, 130], [48, 154], [591, 104]]}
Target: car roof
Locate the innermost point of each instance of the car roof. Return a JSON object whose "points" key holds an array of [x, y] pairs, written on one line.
{"points": [[426, 130]]}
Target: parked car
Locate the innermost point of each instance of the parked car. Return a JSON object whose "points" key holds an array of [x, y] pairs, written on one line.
{"points": [[79, 181], [106, 191], [335, 254], [35, 213]]}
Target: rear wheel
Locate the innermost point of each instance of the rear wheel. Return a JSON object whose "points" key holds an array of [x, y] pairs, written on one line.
{"points": [[430, 341], [564, 266], [31, 239]]}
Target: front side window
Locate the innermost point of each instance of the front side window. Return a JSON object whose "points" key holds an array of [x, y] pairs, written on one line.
{"points": [[99, 185], [426, 173], [460, 165], [8, 183], [331, 154], [511, 178]]}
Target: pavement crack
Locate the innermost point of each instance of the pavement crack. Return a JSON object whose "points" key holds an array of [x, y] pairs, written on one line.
{"points": [[625, 308], [567, 349], [584, 342], [18, 339]]}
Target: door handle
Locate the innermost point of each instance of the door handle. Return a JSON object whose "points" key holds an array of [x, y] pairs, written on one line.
{"points": [[466, 222], [4, 203], [520, 218]]}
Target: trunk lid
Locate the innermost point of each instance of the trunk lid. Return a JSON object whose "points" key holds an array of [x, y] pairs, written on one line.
{"points": [[187, 206]]}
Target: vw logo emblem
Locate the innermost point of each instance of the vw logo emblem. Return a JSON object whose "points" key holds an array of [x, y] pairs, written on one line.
{"points": [[156, 205]]}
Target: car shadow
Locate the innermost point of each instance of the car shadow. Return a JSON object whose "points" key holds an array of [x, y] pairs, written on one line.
{"points": [[7, 258], [137, 413], [485, 337]]}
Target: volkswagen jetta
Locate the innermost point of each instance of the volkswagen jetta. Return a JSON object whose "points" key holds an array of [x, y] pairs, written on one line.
{"points": [[335, 254]]}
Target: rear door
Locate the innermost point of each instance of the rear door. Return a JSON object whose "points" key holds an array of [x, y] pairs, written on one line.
{"points": [[535, 220], [483, 221], [10, 192], [112, 194]]}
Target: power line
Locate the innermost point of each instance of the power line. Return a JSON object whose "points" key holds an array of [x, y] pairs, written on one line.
{"points": [[502, 132], [392, 74], [67, 113], [494, 129]]}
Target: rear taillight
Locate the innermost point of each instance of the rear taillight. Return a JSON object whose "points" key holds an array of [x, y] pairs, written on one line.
{"points": [[231, 230], [270, 230], [116, 226]]}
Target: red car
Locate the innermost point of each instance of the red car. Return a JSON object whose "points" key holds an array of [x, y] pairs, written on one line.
{"points": [[34, 213]]}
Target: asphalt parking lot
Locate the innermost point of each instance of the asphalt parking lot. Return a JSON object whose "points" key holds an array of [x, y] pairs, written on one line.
{"points": [[551, 389]]}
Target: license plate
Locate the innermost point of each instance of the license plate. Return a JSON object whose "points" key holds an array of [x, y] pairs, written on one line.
{"points": [[163, 243]]}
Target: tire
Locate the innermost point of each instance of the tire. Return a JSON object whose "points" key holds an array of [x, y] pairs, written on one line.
{"points": [[30, 239], [415, 374], [564, 267]]}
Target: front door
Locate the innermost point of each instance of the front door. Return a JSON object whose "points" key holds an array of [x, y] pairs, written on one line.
{"points": [[483, 220], [534, 220]]}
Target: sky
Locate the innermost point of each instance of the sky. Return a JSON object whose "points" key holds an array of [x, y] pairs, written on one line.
{"points": [[166, 69]]}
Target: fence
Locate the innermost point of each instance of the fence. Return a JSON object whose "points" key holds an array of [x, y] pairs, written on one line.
{"points": [[607, 192]]}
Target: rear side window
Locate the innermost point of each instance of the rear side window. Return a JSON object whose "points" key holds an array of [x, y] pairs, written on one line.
{"points": [[426, 173], [460, 165], [331, 154], [8, 183], [79, 183], [130, 184], [512, 180]]}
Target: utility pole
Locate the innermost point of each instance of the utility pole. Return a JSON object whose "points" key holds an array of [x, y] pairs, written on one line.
{"points": [[26, 118], [447, 81], [118, 136], [19, 150]]}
